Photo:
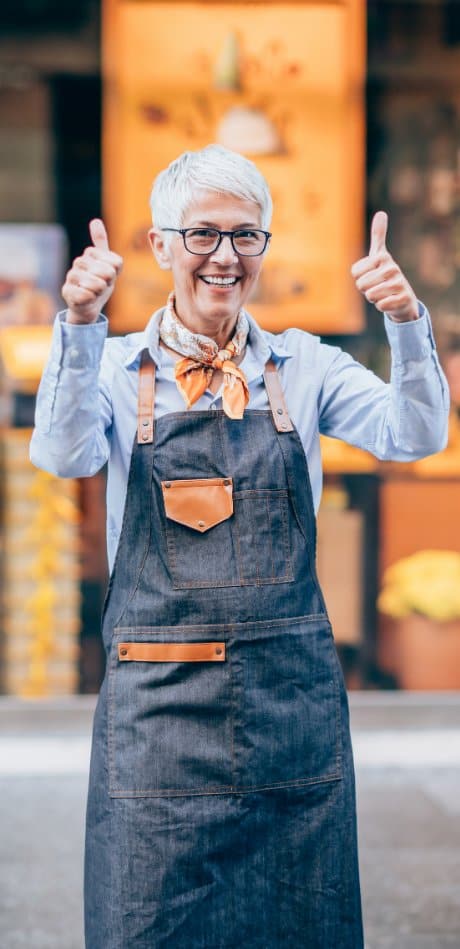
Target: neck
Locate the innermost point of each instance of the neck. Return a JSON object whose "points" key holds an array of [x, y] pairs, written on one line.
{"points": [[221, 334]]}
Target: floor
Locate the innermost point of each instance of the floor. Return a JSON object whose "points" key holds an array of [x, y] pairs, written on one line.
{"points": [[407, 755]]}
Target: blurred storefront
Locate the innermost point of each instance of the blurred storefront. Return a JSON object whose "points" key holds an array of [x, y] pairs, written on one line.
{"points": [[347, 107]]}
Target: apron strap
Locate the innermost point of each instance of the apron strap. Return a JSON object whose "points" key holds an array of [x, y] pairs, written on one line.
{"points": [[275, 394], [145, 399]]}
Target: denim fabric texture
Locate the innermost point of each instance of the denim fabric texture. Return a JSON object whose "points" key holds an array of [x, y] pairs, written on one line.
{"points": [[221, 808]]}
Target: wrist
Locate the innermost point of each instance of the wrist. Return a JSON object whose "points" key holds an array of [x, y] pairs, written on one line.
{"points": [[406, 315], [78, 319], [407, 318]]}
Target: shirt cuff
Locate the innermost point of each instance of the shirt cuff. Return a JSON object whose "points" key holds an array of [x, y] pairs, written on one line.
{"points": [[412, 340], [79, 345]]}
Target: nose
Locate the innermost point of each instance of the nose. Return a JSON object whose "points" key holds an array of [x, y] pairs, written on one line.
{"points": [[225, 255]]}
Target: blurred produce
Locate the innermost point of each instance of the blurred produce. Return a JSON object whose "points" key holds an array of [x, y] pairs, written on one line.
{"points": [[41, 599]]}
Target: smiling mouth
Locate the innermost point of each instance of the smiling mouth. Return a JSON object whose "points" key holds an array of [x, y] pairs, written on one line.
{"points": [[220, 281]]}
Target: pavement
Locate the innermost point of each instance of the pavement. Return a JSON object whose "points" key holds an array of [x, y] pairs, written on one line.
{"points": [[407, 756]]}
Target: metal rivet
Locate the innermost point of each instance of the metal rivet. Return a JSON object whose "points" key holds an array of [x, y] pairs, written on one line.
{"points": [[284, 426], [145, 422], [145, 436], [280, 411], [218, 651], [123, 652], [167, 484], [226, 480], [201, 524]]}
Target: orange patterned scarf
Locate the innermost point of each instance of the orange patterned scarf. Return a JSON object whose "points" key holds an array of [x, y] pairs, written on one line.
{"points": [[202, 357]]}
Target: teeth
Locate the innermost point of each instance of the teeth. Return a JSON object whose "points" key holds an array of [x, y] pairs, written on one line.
{"points": [[220, 281]]}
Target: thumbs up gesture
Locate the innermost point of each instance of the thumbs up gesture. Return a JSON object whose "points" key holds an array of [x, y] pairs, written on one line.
{"points": [[380, 279], [90, 281]]}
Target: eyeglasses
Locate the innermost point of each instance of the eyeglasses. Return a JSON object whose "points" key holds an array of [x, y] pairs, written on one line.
{"points": [[248, 242]]}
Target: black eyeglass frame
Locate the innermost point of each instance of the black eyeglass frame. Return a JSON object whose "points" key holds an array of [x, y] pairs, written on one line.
{"points": [[221, 234]]}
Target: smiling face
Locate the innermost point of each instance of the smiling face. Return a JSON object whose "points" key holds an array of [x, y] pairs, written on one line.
{"points": [[210, 289]]}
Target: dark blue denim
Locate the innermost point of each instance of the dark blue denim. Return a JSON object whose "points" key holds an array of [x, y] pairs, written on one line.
{"points": [[221, 808]]}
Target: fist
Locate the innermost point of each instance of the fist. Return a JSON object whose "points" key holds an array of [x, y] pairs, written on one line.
{"points": [[90, 281], [380, 279]]}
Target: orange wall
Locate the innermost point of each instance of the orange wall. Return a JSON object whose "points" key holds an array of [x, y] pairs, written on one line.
{"points": [[300, 65]]}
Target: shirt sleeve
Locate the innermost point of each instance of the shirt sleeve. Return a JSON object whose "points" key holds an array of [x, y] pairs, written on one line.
{"points": [[402, 420], [73, 411]]}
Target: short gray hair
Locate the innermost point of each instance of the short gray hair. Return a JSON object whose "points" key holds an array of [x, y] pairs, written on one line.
{"points": [[214, 168]]}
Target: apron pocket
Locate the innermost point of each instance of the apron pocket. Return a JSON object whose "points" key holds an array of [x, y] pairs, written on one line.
{"points": [[199, 503], [208, 547], [286, 680], [170, 715], [262, 525]]}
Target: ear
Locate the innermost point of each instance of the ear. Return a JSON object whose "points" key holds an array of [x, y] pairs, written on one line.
{"points": [[160, 249]]}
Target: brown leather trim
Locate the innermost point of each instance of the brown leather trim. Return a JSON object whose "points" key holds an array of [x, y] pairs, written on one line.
{"points": [[276, 399], [171, 652], [199, 503], [145, 399]]}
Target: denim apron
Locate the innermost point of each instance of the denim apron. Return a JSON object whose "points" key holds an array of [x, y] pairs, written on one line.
{"points": [[221, 807]]}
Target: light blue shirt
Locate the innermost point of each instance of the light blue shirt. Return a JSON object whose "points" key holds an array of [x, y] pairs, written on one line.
{"points": [[87, 399]]}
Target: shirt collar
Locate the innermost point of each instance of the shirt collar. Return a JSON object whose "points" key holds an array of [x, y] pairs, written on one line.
{"points": [[262, 344]]}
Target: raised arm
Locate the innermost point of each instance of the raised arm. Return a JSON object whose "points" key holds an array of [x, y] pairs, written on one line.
{"points": [[74, 412], [406, 418]]}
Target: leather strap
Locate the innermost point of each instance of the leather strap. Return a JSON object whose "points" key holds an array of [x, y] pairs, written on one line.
{"points": [[145, 399], [275, 394], [171, 652]]}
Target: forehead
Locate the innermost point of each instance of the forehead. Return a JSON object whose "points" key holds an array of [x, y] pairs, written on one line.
{"points": [[222, 210]]}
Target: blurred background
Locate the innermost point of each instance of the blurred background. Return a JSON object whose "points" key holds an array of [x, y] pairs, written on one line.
{"points": [[347, 108]]}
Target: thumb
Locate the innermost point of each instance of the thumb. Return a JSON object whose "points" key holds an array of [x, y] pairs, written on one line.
{"points": [[98, 234], [379, 229]]}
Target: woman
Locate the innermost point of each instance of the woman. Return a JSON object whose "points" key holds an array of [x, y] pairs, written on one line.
{"points": [[221, 806]]}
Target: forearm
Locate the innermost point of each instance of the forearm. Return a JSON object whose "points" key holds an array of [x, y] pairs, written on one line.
{"points": [[402, 420], [419, 391], [73, 410]]}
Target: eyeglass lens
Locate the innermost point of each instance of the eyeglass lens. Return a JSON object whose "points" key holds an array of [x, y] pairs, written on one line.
{"points": [[206, 240]]}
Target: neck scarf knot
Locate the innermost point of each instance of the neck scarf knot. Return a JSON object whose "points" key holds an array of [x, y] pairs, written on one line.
{"points": [[202, 357]]}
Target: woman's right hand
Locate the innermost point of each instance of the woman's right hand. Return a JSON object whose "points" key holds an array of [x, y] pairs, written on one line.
{"points": [[91, 279]]}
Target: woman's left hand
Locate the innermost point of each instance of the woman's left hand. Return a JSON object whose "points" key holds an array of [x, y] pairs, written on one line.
{"points": [[380, 279]]}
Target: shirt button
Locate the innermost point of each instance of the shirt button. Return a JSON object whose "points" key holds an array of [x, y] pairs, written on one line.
{"points": [[214, 406], [74, 353]]}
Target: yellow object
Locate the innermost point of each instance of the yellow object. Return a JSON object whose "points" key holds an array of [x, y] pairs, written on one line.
{"points": [[334, 498], [24, 351], [41, 575], [226, 72], [427, 582]]}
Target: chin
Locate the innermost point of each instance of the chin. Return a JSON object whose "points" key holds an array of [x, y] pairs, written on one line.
{"points": [[222, 311]]}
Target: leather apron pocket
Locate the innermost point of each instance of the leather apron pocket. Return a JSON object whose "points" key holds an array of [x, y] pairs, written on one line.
{"points": [[198, 503], [216, 537], [170, 717]]}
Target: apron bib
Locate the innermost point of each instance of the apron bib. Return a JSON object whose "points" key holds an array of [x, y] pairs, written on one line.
{"points": [[221, 806]]}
